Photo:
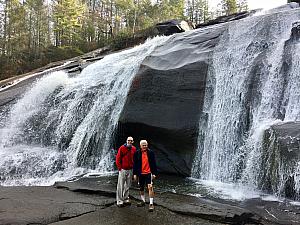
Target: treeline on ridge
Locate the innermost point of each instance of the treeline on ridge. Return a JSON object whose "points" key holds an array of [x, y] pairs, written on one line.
{"points": [[34, 33]]}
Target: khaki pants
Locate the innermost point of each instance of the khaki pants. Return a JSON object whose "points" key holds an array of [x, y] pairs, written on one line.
{"points": [[124, 183]]}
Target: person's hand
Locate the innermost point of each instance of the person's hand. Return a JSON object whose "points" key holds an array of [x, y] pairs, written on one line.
{"points": [[134, 177], [153, 176]]}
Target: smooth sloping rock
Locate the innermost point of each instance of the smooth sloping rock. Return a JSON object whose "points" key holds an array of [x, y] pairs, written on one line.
{"points": [[273, 211], [92, 201], [182, 204], [206, 209], [252, 211], [104, 186], [134, 216]]}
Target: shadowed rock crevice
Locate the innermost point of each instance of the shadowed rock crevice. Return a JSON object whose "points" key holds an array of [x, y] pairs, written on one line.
{"points": [[64, 216], [163, 106]]}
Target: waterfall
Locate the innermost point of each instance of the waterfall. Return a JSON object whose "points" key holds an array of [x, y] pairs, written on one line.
{"points": [[63, 126], [248, 90]]}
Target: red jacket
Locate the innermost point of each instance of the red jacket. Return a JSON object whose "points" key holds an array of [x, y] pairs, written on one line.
{"points": [[124, 159]]}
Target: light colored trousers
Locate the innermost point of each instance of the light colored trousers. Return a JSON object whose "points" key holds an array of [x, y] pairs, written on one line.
{"points": [[124, 183]]}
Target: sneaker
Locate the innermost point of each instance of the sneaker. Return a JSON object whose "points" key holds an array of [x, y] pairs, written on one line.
{"points": [[141, 204], [151, 208], [127, 202], [120, 205]]}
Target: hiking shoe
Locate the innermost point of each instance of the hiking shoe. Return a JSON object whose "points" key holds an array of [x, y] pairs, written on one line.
{"points": [[141, 204], [127, 202], [151, 208], [120, 205]]}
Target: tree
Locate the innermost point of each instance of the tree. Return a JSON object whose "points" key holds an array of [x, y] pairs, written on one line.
{"points": [[67, 17], [197, 10], [15, 27], [36, 32], [3, 21], [38, 26], [229, 6], [242, 5]]}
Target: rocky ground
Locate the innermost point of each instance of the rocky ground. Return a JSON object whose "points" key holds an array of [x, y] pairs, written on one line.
{"points": [[92, 201]]}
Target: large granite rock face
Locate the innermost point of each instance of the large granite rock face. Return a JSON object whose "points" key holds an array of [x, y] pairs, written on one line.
{"points": [[166, 97], [281, 158]]}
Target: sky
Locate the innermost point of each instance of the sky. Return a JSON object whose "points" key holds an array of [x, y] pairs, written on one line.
{"points": [[255, 4]]}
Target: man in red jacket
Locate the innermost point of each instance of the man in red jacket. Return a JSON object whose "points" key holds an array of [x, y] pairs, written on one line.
{"points": [[124, 161]]}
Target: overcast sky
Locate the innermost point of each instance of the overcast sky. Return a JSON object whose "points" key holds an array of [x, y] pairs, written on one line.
{"points": [[255, 4]]}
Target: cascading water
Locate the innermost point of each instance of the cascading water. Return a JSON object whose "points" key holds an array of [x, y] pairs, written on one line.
{"points": [[63, 126], [248, 90]]}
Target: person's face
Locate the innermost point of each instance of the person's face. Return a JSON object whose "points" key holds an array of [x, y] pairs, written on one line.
{"points": [[129, 141], [144, 146]]}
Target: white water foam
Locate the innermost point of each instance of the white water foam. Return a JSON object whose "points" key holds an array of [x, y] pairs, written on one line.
{"points": [[233, 191], [246, 93], [63, 126], [30, 104], [230, 190]]}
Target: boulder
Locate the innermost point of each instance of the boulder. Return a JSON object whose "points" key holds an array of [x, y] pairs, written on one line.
{"points": [[281, 157], [295, 33], [298, 1], [173, 26]]}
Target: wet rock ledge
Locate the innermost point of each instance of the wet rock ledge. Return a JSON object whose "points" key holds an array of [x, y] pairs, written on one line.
{"points": [[92, 201]]}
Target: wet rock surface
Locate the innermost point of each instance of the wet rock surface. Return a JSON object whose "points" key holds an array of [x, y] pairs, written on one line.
{"points": [[274, 212], [135, 216], [288, 135], [92, 201], [44, 205], [281, 157]]}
